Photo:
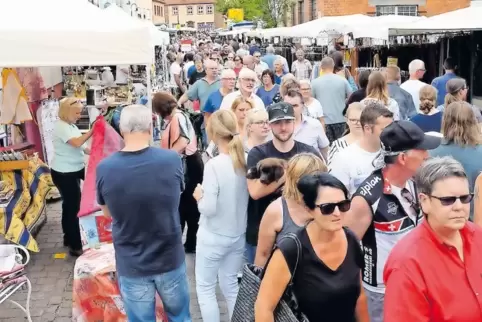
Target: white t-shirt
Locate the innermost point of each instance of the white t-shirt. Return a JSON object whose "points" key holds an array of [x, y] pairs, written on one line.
{"points": [[120, 76], [352, 166], [315, 109], [414, 87], [231, 97], [186, 68], [175, 69]]}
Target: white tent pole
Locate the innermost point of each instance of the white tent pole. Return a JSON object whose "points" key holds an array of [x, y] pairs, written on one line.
{"points": [[149, 96]]}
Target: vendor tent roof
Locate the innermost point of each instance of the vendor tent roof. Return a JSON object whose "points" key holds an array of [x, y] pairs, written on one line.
{"points": [[158, 37], [467, 19], [68, 33]]}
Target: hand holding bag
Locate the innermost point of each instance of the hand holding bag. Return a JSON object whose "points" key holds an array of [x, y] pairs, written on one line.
{"points": [[287, 309]]}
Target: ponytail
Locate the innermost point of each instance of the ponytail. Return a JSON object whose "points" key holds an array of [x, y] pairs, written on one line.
{"points": [[236, 152], [449, 99]]}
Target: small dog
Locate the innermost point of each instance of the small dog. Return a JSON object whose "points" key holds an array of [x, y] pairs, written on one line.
{"points": [[268, 170]]}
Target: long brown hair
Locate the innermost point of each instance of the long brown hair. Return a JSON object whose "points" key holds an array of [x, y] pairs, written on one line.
{"points": [[300, 165], [459, 125], [377, 87], [428, 98], [224, 125]]}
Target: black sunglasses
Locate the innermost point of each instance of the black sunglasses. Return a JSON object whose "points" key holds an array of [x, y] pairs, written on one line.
{"points": [[450, 200], [328, 208]]}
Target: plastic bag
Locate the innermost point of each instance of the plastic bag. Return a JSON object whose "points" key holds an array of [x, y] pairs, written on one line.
{"points": [[105, 141]]}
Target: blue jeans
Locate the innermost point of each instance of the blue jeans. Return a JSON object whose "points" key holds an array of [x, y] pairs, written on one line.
{"points": [[138, 295], [250, 253]]}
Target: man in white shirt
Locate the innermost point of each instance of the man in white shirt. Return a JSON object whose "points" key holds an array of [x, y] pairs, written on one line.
{"points": [[354, 164], [247, 83], [416, 69]]}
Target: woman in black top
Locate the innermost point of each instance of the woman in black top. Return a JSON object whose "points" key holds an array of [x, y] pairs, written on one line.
{"points": [[327, 281]]}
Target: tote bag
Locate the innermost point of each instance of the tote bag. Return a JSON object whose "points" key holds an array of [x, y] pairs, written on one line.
{"points": [[287, 309]]}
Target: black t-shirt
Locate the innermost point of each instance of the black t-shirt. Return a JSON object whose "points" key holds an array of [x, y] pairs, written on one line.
{"points": [[195, 76], [256, 208], [323, 294]]}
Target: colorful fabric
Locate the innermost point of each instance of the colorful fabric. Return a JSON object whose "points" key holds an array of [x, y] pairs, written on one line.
{"points": [[24, 210], [95, 229], [105, 141], [95, 292]]}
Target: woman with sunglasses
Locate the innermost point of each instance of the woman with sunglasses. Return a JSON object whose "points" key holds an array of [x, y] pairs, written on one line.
{"points": [[439, 279], [327, 281], [68, 168]]}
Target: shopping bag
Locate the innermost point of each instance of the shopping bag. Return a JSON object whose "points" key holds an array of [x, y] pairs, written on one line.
{"points": [[105, 141]]}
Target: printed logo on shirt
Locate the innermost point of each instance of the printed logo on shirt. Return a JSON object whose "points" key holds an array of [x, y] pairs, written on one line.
{"points": [[369, 185], [392, 208], [369, 265]]}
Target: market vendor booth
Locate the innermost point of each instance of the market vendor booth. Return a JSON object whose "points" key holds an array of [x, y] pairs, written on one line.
{"points": [[47, 35]]}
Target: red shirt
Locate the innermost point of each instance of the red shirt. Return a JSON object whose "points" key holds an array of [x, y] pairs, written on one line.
{"points": [[427, 281]]}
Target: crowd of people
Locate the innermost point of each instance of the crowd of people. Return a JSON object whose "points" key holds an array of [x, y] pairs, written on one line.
{"points": [[335, 160]]}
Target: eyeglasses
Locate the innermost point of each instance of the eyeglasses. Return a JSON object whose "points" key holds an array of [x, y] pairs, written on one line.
{"points": [[354, 121], [261, 122], [305, 89], [328, 208], [450, 200]]}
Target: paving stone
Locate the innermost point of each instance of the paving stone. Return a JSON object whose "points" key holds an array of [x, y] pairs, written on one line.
{"points": [[51, 299]]}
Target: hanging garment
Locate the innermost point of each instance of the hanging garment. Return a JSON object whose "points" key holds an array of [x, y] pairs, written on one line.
{"points": [[14, 108]]}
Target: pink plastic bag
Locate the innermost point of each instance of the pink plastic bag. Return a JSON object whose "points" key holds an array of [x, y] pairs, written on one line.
{"points": [[105, 141]]}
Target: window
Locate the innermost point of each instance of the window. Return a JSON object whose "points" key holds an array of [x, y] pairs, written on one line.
{"points": [[301, 5], [157, 10], [397, 10], [189, 10], [209, 9], [162, 11], [314, 11], [200, 10], [293, 14], [175, 11]]}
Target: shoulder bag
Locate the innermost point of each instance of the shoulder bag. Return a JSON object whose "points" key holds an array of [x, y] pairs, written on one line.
{"points": [[287, 309]]}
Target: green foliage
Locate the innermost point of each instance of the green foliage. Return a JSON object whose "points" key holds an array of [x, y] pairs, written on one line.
{"points": [[253, 9]]}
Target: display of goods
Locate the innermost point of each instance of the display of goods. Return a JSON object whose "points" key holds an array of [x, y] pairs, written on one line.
{"points": [[105, 141], [95, 291], [95, 229]]}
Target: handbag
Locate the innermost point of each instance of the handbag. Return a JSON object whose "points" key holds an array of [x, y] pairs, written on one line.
{"points": [[287, 309]]}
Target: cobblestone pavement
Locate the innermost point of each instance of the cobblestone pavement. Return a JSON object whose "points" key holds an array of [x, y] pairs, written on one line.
{"points": [[51, 279]]}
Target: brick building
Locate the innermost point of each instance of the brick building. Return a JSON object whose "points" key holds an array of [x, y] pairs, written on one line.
{"points": [[306, 10]]}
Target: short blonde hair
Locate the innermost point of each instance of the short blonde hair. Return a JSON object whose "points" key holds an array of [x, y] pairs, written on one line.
{"points": [[300, 165], [66, 105]]}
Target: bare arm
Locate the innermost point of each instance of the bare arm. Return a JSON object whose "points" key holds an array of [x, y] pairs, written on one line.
{"points": [[177, 79], [272, 288], [180, 145], [183, 99], [258, 190], [478, 201], [270, 226], [324, 153], [361, 310], [105, 210], [79, 141], [359, 218], [322, 121]]}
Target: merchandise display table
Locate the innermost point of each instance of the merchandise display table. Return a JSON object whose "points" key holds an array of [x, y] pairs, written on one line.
{"points": [[95, 293]]}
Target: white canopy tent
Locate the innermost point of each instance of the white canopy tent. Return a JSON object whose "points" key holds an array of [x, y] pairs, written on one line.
{"points": [[467, 19], [36, 33], [158, 37], [339, 24], [378, 27]]}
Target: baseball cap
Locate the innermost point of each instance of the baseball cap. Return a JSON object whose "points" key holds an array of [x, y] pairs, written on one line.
{"points": [[280, 111], [401, 136]]}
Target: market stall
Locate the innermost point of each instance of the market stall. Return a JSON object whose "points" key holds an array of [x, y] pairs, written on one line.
{"points": [[37, 33]]}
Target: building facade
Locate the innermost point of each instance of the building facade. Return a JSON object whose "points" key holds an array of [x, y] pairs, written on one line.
{"points": [[158, 12], [199, 14], [141, 9], [306, 10]]}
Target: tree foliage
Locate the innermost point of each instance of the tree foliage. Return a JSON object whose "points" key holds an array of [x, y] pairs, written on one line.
{"points": [[272, 12]]}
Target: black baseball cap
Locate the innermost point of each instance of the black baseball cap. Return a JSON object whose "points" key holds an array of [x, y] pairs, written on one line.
{"points": [[401, 136], [280, 111]]}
